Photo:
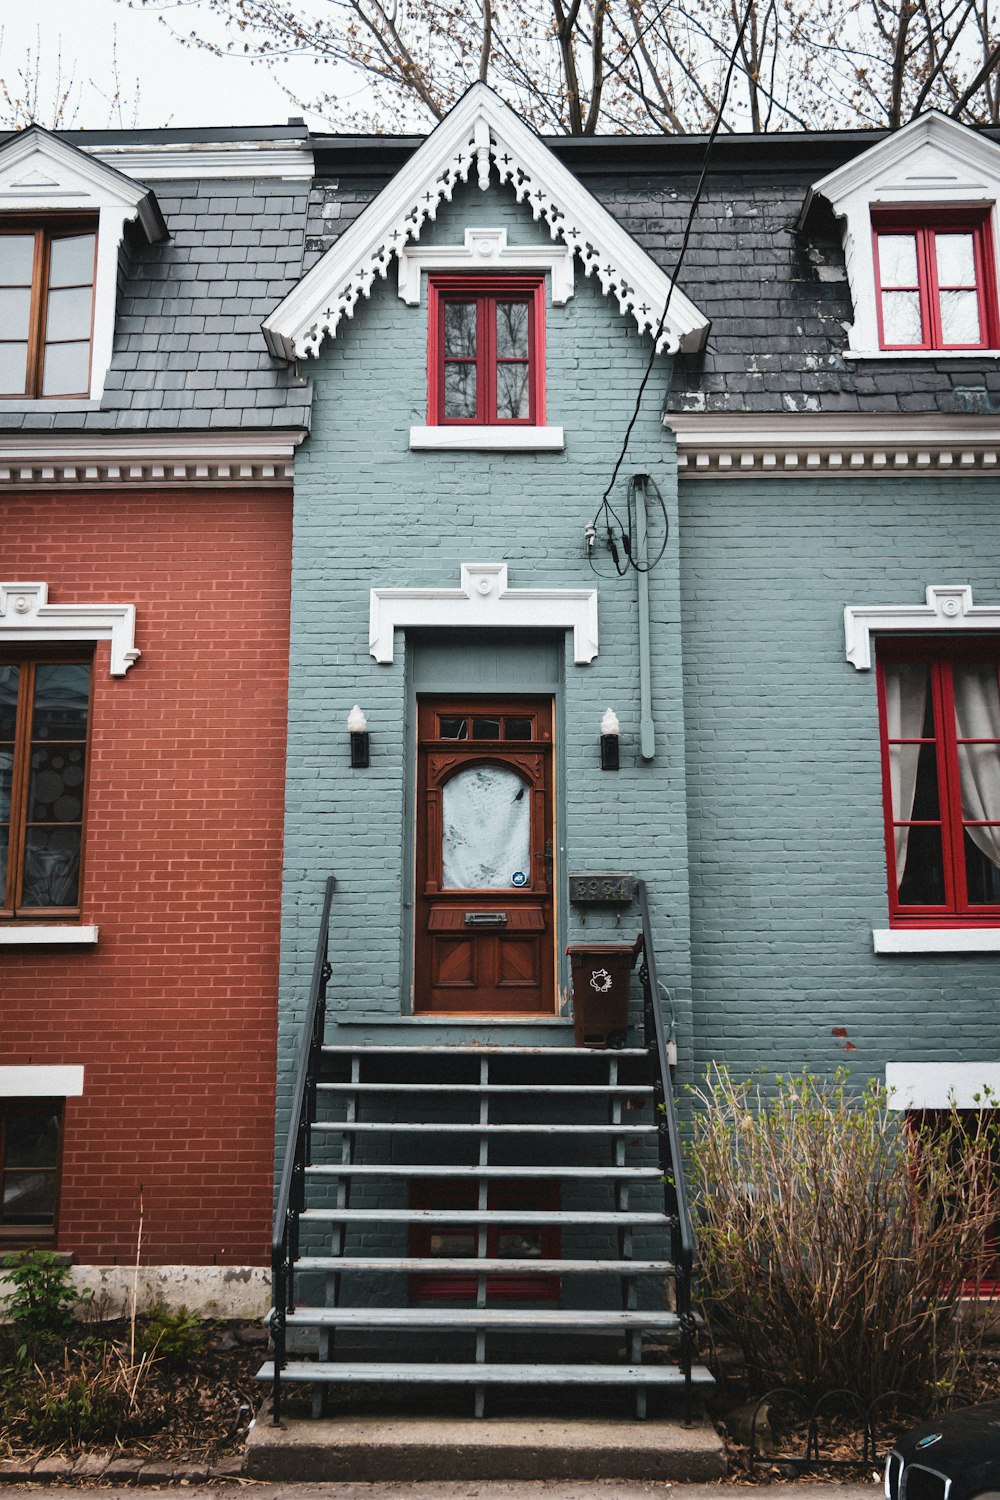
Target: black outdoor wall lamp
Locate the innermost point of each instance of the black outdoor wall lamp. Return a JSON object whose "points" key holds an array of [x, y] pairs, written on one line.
{"points": [[357, 728], [610, 728]]}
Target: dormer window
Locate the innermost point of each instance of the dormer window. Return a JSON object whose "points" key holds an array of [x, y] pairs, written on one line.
{"points": [[487, 350], [936, 288], [46, 307]]}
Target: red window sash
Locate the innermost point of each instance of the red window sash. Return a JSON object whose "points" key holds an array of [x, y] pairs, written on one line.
{"points": [[956, 910], [925, 234], [486, 293]]}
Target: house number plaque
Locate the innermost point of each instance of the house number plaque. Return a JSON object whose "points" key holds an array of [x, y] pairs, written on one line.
{"points": [[601, 890]]}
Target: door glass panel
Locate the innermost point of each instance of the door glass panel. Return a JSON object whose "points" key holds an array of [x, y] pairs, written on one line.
{"points": [[6, 777], [517, 729], [486, 816], [453, 1244], [62, 694], [56, 791], [8, 701], [453, 728], [516, 1246], [486, 729]]}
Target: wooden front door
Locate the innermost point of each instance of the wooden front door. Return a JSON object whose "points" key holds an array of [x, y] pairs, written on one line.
{"points": [[484, 911]]}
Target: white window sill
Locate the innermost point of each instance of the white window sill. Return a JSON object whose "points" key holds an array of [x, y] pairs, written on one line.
{"points": [[936, 939], [922, 353], [41, 1081], [25, 933], [503, 439]]}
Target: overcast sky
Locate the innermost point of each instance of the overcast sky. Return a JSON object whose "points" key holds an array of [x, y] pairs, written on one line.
{"points": [[171, 84]]}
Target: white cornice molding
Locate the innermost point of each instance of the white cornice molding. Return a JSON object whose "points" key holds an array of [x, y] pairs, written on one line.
{"points": [[246, 459], [483, 600], [724, 445], [486, 250], [948, 607], [481, 132], [26, 615], [184, 163]]}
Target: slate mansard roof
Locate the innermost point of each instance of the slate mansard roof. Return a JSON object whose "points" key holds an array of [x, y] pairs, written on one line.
{"points": [[188, 352]]}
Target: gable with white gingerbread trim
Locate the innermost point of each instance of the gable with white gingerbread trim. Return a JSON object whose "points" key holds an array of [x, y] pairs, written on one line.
{"points": [[481, 135]]}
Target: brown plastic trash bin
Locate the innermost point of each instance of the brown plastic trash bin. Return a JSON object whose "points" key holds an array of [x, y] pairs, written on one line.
{"points": [[600, 991]]}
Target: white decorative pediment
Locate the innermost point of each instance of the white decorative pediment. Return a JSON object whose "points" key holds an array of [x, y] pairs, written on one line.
{"points": [[949, 607], [486, 250], [39, 174], [483, 601], [481, 132], [932, 162], [26, 615]]}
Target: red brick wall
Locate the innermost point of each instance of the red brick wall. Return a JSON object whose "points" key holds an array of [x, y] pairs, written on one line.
{"points": [[173, 1015]]}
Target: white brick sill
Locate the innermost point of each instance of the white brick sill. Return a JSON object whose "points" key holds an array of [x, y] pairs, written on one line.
{"points": [[936, 939], [499, 439], [897, 354], [25, 933]]}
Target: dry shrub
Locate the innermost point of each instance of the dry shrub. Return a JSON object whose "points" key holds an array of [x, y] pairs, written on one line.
{"points": [[95, 1395], [835, 1242]]}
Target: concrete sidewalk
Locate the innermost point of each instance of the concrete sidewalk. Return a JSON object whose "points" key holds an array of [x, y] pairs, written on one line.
{"points": [[475, 1489]]}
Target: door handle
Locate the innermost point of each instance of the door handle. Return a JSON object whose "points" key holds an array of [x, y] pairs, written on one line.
{"points": [[486, 919]]}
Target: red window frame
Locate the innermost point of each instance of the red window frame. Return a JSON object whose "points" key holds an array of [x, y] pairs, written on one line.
{"points": [[956, 910], [486, 292], [924, 230]]}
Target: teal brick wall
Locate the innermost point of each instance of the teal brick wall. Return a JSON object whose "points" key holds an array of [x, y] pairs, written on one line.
{"points": [[369, 512], [784, 778]]}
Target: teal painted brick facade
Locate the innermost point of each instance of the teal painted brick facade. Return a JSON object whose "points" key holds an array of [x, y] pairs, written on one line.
{"points": [[369, 512], [788, 870]]}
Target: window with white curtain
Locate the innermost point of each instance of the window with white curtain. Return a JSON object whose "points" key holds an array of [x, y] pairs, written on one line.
{"points": [[940, 723]]}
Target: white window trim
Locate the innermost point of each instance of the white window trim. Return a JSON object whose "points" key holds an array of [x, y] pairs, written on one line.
{"points": [[896, 940], [486, 251], [40, 174], [483, 600], [933, 162], [42, 934], [943, 1085], [949, 608], [26, 615], [41, 1081], [488, 439]]}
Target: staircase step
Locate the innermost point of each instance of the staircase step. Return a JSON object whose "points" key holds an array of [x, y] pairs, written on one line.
{"points": [[345, 1127], [464, 1049], [580, 1090], [470, 1374], [508, 1266], [505, 1174], [505, 1319], [600, 1219]]}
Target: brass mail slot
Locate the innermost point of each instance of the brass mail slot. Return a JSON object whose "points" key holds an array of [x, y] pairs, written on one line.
{"points": [[486, 919]]}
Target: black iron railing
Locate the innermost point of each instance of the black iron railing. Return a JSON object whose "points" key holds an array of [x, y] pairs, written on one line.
{"points": [[291, 1188], [671, 1162]]}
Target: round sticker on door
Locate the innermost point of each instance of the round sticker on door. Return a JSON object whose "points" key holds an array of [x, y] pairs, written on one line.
{"points": [[519, 878]]}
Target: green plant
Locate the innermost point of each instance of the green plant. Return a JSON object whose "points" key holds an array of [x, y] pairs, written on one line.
{"points": [[836, 1241], [175, 1337], [42, 1298], [93, 1396]]}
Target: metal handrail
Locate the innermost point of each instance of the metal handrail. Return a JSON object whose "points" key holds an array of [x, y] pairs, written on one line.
{"points": [[671, 1160], [291, 1187]]}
